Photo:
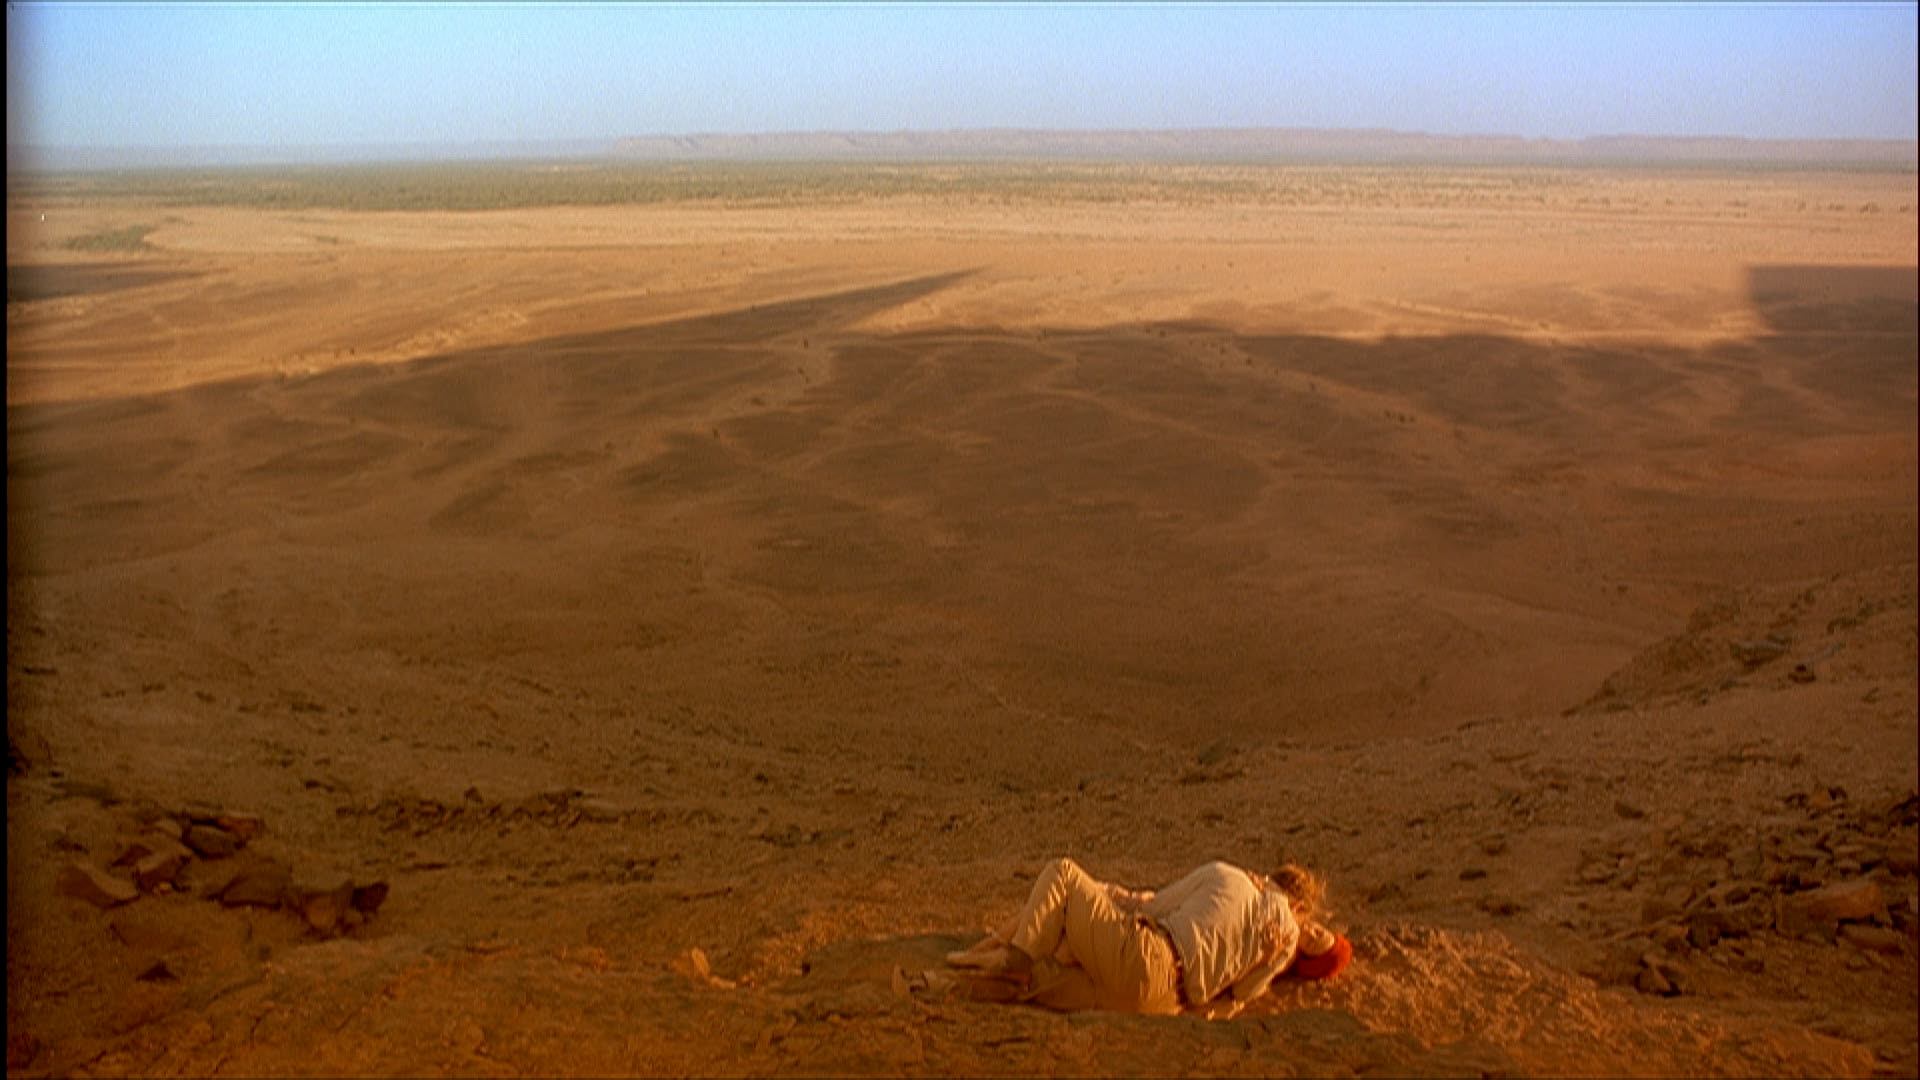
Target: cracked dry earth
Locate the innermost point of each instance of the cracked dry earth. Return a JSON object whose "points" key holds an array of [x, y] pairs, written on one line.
{"points": [[632, 685]]}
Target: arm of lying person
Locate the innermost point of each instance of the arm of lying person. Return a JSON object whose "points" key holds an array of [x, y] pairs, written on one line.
{"points": [[1257, 979], [1128, 900]]}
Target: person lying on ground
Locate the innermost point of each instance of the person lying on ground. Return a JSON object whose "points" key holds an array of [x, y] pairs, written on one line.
{"points": [[1210, 942]]}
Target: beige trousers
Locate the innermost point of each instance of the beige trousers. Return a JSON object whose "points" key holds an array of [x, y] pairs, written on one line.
{"points": [[1088, 954]]}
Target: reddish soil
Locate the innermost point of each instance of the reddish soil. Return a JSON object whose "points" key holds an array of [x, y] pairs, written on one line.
{"points": [[788, 584]]}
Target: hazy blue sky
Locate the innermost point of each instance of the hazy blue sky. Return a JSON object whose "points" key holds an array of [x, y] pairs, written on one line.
{"points": [[108, 75]]}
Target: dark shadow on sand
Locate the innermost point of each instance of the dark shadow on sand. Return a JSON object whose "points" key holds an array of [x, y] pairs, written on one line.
{"points": [[1837, 299], [26, 283]]}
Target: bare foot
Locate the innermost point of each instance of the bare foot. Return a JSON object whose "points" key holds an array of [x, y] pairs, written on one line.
{"points": [[987, 956]]}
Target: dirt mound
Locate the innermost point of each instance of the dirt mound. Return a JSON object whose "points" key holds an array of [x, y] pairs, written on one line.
{"points": [[1847, 627]]}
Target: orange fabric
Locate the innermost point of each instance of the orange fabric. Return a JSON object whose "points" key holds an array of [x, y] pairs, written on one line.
{"points": [[1327, 964]]}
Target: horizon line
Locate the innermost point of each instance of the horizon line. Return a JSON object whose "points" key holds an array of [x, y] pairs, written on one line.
{"points": [[982, 130]]}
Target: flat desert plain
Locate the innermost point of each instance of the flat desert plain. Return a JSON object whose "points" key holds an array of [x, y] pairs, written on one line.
{"points": [[700, 615]]}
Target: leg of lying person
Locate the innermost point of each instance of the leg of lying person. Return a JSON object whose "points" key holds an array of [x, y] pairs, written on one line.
{"points": [[1067, 907], [1067, 989], [1061, 888]]}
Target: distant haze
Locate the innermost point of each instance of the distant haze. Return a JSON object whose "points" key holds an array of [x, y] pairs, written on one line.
{"points": [[1262, 145], [313, 81]]}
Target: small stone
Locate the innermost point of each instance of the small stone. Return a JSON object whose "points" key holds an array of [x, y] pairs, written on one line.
{"points": [[321, 900], [1628, 810], [368, 898], [1859, 899], [200, 813], [244, 826], [168, 826], [208, 878], [1473, 873], [87, 882], [159, 972], [132, 853], [212, 841], [598, 810], [1671, 936], [1493, 845], [160, 867], [260, 884], [1874, 939], [1753, 653], [1651, 981]]}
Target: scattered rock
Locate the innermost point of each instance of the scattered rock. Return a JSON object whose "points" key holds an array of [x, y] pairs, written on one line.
{"points": [[368, 898], [168, 826], [1473, 873], [1628, 810], [132, 853], [597, 810], [1874, 939], [160, 867], [243, 826], [1650, 981], [87, 882], [158, 972], [1753, 653], [212, 841], [1796, 914], [260, 884], [208, 878], [321, 900]]}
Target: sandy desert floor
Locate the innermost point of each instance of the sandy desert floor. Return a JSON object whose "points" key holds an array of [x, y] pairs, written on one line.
{"points": [[694, 612]]}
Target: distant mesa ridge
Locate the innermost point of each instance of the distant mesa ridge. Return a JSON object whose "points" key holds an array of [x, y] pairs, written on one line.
{"points": [[1208, 145], [1257, 144]]}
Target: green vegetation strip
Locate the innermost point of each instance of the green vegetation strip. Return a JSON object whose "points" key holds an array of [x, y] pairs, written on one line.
{"points": [[505, 185], [131, 238]]}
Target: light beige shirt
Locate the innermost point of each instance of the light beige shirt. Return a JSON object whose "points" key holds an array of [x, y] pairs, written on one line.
{"points": [[1228, 930]]}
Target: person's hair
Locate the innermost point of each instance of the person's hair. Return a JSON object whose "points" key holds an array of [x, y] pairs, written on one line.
{"points": [[1306, 890]]}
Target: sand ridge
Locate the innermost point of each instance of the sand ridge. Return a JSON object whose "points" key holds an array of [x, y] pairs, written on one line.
{"points": [[851, 566]]}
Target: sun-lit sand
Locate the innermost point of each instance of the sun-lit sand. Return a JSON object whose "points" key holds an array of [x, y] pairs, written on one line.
{"points": [[787, 582]]}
